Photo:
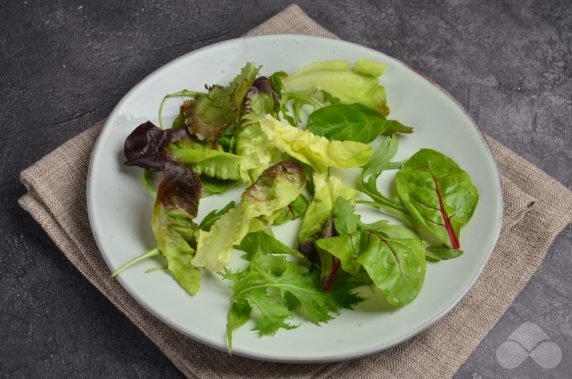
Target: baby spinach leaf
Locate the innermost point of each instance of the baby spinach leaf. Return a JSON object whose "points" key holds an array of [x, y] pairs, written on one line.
{"points": [[264, 242], [438, 253], [350, 122], [346, 248], [396, 266], [345, 220], [438, 194]]}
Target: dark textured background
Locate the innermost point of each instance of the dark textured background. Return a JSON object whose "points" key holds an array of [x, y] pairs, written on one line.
{"points": [[65, 64]]}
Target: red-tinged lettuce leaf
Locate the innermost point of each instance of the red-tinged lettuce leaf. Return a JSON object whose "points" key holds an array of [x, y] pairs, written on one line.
{"points": [[146, 146], [209, 115], [176, 206], [261, 98], [438, 193], [276, 187], [179, 188]]}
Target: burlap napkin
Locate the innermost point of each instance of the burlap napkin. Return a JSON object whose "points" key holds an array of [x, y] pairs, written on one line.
{"points": [[537, 208]]}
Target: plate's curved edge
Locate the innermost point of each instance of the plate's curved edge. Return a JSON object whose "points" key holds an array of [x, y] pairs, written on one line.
{"points": [[237, 351]]}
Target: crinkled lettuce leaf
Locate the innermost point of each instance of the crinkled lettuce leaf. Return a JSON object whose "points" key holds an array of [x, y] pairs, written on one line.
{"points": [[204, 161], [316, 151], [351, 84], [209, 115], [251, 144], [176, 206], [277, 187], [256, 151], [147, 146]]}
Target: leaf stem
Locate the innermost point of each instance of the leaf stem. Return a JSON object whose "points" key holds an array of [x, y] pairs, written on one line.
{"points": [[147, 254], [181, 93], [389, 209]]}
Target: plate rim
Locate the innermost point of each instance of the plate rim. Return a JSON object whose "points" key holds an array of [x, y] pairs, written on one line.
{"points": [[269, 357]]}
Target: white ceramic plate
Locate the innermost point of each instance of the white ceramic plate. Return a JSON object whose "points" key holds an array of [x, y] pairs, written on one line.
{"points": [[119, 208]]}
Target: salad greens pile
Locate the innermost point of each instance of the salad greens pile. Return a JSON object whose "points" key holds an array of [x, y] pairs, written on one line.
{"points": [[279, 137]]}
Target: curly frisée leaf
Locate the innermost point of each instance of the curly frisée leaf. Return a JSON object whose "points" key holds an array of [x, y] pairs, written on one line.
{"points": [[277, 289], [318, 152], [277, 187]]}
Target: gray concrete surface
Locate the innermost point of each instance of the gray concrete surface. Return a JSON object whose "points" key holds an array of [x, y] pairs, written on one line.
{"points": [[65, 64]]}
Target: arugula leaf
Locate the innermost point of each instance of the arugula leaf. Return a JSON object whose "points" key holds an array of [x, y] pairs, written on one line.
{"points": [[438, 194], [277, 289], [294, 210], [181, 117], [276, 80], [314, 150], [394, 126], [261, 98], [209, 220], [350, 122], [238, 315]]}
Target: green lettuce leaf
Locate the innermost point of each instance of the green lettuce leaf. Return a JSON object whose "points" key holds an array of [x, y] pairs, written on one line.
{"points": [[256, 151], [316, 151], [205, 161], [327, 189], [277, 187], [176, 206], [357, 84]]}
